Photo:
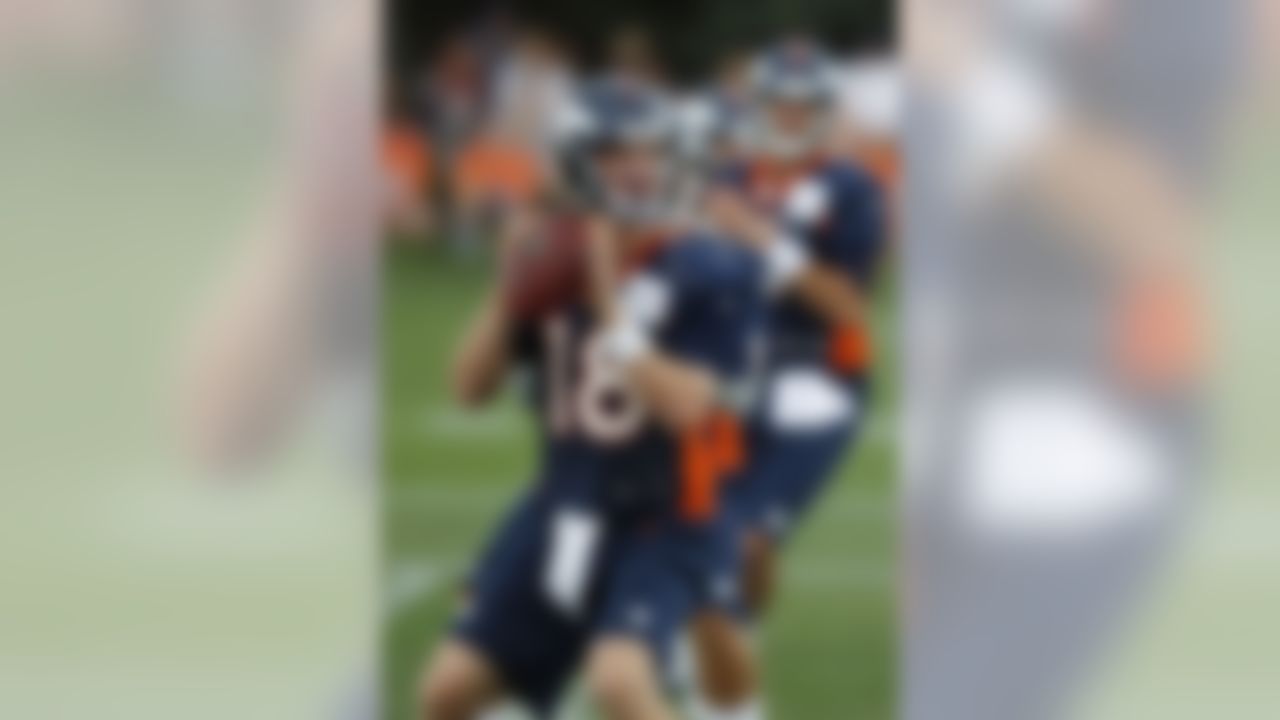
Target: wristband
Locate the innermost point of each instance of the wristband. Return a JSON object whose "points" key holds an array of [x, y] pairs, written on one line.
{"points": [[625, 342], [784, 259], [645, 301]]}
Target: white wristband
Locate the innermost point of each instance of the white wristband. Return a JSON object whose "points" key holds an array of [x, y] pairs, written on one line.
{"points": [[784, 259], [625, 342]]}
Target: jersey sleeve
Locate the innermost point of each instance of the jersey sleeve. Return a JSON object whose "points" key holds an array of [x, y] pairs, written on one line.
{"points": [[841, 216], [715, 305]]}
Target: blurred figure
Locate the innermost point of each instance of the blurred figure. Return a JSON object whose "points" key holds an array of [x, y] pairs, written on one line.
{"points": [[816, 221], [632, 330], [509, 163], [408, 172], [491, 98], [495, 175], [534, 81], [715, 117], [452, 95], [454, 91], [289, 327], [1054, 333]]}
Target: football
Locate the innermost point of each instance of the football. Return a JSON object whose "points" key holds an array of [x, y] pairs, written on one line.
{"points": [[547, 271]]}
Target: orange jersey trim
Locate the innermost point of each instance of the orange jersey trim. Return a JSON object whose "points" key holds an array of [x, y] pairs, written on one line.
{"points": [[849, 349], [708, 455]]}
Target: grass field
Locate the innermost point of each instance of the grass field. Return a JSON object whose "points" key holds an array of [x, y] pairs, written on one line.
{"points": [[829, 645]]}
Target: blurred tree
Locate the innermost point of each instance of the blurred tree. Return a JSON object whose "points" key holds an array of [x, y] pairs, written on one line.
{"points": [[690, 34]]}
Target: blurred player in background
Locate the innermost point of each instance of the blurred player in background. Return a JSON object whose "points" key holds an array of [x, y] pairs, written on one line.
{"points": [[817, 224], [506, 164], [713, 117], [1055, 334], [633, 333]]}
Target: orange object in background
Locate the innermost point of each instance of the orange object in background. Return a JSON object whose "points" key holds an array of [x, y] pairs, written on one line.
{"points": [[406, 157], [492, 168]]}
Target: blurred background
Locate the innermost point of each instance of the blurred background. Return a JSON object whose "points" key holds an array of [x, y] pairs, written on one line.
{"points": [[1080, 211], [471, 93], [188, 522], [472, 96], [192, 196]]}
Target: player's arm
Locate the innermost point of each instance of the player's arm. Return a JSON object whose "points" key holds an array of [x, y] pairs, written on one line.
{"points": [[483, 354], [825, 289], [680, 394]]}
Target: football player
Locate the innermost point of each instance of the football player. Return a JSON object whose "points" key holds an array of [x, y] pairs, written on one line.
{"points": [[633, 332], [816, 222]]}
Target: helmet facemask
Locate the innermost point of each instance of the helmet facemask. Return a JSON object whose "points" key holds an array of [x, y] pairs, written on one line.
{"points": [[790, 129], [793, 108], [629, 172]]}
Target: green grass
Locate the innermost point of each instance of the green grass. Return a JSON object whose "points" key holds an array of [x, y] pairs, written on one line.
{"points": [[829, 644]]}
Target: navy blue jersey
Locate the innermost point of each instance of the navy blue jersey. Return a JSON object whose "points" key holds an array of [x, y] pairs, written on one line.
{"points": [[702, 299], [836, 210]]}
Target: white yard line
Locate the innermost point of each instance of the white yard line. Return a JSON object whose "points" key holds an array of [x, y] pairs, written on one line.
{"points": [[445, 422], [411, 583], [480, 497]]}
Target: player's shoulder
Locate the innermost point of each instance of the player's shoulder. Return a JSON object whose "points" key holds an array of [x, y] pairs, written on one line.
{"points": [[706, 251], [703, 259], [835, 188], [846, 177]]}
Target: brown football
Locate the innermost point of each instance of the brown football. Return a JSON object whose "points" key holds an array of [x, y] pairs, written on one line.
{"points": [[548, 271]]}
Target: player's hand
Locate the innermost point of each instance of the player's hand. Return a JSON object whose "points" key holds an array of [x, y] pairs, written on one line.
{"points": [[733, 215]]}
